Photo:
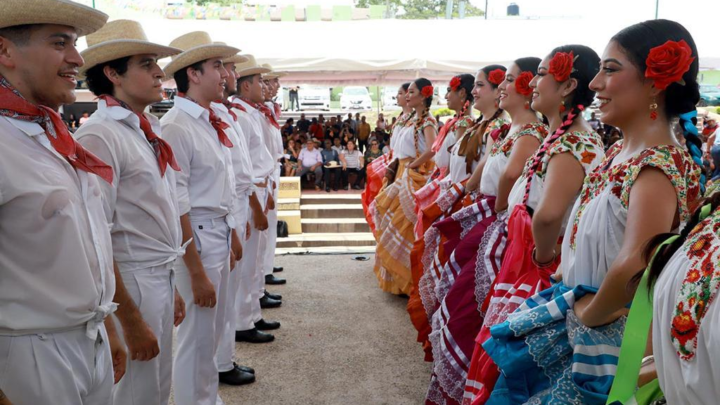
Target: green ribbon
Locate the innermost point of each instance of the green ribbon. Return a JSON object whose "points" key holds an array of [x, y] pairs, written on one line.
{"points": [[634, 343]]}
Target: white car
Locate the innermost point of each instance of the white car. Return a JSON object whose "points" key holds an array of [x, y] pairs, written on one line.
{"points": [[355, 98], [390, 96], [314, 98]]}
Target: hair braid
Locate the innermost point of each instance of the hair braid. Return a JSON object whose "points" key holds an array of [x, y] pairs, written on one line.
{"points": [[688, 123], [537, 159]]}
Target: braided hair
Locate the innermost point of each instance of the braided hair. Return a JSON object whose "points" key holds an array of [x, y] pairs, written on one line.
{"points": [[680, 99], [421, 83], [467, 81]]}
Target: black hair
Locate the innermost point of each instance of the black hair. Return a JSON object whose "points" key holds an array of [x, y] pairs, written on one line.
{"points": [[98, 83], [405, 86], [244, 79], [19, 34], [528, 64], [181, 76], [421, 83], [637, 41], [489, 68], [467, 82], [585, 67]]}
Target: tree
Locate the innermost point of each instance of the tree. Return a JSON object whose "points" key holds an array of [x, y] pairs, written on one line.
{"points": [[422, 9]]}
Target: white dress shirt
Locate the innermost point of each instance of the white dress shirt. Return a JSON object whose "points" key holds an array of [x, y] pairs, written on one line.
{"points": [[273, 136], [251, 124], [140, 205], [56, 269], [205, 184]]}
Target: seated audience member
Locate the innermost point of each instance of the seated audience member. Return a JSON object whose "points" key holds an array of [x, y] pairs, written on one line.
{"points": [[331, 166], [352, 161], [373, 152], [287, 129], [291, 161], [338, 145], [310, 160]]}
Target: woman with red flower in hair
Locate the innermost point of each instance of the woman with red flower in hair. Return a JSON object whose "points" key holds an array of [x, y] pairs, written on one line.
{"points": [[394, 215], [567, 338], [458, 321]]}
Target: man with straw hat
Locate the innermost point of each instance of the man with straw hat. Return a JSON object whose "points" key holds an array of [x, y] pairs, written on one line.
{"points": [[275, 145], [57, 345], [121, 70], [230, 372], [205, 189], [251, 113]]}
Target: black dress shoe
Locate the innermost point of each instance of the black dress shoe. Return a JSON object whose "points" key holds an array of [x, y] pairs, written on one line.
{"points": [[245, 369], [277, 269], [272, 280], [267, 302], [276, 297], [253, 336], [267, 325], [236, 377]]}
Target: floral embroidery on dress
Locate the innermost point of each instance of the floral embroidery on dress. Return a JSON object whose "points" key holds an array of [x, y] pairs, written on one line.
{"points": [[674, 162], [584, 146], [535, 129], [699, 287]]}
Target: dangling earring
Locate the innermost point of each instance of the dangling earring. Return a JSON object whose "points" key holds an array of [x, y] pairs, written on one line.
{"points": [[527, 105], [653, 109], [562, 106]]}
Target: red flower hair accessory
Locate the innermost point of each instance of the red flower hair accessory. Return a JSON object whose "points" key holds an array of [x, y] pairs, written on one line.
{"points": [[667, 63], [496, 77], [522, 83], [427, 91], [455, 83], [561, 66]]}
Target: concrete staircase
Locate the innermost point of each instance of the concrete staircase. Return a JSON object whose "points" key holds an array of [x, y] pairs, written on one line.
{"points": [[331, 223]]}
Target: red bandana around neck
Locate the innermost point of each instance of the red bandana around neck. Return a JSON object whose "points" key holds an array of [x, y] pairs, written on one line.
{"points": [[278, 110], [14, 105], [267, 112], [229, 107], [163, 150], [218, 124]]}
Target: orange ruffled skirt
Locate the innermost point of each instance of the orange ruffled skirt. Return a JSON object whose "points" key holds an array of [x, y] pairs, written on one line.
{"points": [[394, 217]]}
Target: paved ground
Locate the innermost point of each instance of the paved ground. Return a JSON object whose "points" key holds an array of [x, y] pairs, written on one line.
{"points": [[342, 341]]}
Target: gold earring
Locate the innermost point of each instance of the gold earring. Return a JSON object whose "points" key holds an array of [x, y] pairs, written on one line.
{"points": [[653, 109]]}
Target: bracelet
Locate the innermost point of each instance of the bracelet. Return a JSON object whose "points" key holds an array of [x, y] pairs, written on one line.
{"points": [[545, 265]]}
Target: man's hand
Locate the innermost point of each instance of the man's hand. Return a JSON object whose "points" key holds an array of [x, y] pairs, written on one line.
{"points": [[236, 251], [141, 342], [270, 203], [315, 166], [260, 220], [203, 291], [247, 231], [179, 308]]}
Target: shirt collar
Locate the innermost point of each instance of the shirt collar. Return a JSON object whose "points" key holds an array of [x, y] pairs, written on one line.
{"points": [[240, 101], [193, 109], [29, 128], [123, 114]]}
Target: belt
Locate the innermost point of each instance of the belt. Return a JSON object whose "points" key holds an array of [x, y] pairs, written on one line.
{"points": [[92, 327]]}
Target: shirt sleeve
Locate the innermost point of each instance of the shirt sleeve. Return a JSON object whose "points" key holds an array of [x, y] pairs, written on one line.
{"points": [[98, 146], [181, 143]]}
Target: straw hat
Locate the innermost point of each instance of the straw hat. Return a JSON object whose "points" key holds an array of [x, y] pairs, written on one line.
{"points": [[272, 74], [118, 39], [233, 59], [250, 67], [332, 164], [197, 47], [84, 19]]}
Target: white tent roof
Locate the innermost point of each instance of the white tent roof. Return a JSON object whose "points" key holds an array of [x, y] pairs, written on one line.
{"points": [[394, 51]]}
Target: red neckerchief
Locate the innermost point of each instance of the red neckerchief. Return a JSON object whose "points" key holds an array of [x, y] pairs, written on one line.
{"points": [[229, 105], [443, 133], [218, 124], [278, 111], [14, 105], [265, 110], [163, 150], [236, 105]]}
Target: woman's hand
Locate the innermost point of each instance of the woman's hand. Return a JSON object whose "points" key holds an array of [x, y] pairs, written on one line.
{"points": [[588, 319]]}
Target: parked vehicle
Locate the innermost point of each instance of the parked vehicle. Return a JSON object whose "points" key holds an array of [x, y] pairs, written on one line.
{"points": [[355, 98], [390, 96], [314, 97], [709, 95]]}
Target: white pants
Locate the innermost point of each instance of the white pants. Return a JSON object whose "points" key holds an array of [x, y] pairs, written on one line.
{"points": [[63, 368], [271, 234], [195, 374], [251, 276], [226, 350], [148, 382]]}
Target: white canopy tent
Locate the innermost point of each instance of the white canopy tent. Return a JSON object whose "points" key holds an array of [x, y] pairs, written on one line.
{"points": [[377, 52]]}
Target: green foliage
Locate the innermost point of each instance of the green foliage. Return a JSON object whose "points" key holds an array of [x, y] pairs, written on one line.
{"points": [[717, 110], [218, 2], [444, 112], [422, 9]]}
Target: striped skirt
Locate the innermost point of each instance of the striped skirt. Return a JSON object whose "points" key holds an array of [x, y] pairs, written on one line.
{"points": [[394, 220], [548, 357], [375, 173], [460, 317]]}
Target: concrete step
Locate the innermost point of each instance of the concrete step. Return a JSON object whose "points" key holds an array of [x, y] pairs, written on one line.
{"points": [[288, 204], [334, 225], [331, 211], [327, 239], [330, 198]]}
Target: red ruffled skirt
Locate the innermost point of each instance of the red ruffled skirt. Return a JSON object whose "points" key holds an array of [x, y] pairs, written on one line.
{"points": [[375, 172], [517, 280]]}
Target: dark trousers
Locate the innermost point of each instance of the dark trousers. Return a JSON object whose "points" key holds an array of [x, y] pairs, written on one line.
{"points": [[362, 145], [331, 173], [358, 179], [294, 99]]}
